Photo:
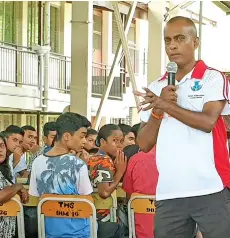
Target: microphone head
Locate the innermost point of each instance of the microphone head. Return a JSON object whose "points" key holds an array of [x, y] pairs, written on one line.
{"points": [[172, 67]]}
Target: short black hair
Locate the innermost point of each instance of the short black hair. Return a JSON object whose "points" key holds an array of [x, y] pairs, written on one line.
{"points": [[189, 21], [49, 126], [131, 150], [28, 128], [126, 129], [91, 131], [136, 128], [70, 122], [105, 132], [4, 166], [12, 129]]}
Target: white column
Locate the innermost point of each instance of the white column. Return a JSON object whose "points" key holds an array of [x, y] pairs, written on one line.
{"points": [[107, 21], [156, 56], [22, 25], [46, 56], [81, 52], [65, 28]]}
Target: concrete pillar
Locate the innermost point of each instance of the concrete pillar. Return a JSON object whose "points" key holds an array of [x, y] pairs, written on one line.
{"points": [[46, 57], [65, 28], [22, 24], [156, 65], [81, 52], [107, 21]]}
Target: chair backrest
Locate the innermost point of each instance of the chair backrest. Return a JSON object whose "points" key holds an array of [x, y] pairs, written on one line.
{"points": [[142, 203], [10, 208], [139, 203], [67, 206], [100, 203], [22, 180], [14, 208], [120, 192]]}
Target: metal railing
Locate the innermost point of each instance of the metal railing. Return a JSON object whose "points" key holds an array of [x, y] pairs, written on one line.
{"points": [[99, 81], [18, 65], [59, 72]]}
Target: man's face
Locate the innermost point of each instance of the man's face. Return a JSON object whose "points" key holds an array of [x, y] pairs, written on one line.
{"points": [[76, 142], [48, 140], [180, 42], [13, 141], [29, 140], [129, 139], [90, 142]]}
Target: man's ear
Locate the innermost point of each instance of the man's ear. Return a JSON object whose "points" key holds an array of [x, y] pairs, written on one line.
{"points": [[196, 42], [102, 142], [66, 136]]}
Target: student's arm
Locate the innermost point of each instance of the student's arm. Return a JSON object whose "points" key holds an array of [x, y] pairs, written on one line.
{"points": [[24, 173], [106, 189], [106, 182], [33, 191], [8, 192]]}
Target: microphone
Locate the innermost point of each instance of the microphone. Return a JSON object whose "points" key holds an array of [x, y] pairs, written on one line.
{"points": [[172, 69]]}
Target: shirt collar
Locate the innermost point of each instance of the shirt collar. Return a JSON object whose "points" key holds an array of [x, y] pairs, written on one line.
{"points": [[101, 152], [197, 73]]}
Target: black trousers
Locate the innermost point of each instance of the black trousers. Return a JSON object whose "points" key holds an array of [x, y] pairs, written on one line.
{"points": [[177, 218]]}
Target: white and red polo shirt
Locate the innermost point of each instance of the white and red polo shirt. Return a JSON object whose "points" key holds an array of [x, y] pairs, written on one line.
{"points": [[191, 162]]}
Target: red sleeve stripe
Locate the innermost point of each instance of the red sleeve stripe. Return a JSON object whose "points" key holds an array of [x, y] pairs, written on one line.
{"points": [[226, 87], [226, 84]]}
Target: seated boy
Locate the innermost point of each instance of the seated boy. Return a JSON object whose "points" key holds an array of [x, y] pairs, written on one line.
{"points": [[59, 172]]}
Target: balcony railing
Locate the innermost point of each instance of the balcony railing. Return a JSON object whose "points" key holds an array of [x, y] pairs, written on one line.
{"points": [[20, 66], [99, 81], [59, 72]]}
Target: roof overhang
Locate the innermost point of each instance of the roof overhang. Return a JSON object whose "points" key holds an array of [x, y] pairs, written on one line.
{"points": [[224, 5]]}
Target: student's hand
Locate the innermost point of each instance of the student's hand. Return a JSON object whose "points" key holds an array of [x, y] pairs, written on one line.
{"points": [[34, 149], [17, 154], [83, 155], [24, 195], [17, 187], [120, 162]]}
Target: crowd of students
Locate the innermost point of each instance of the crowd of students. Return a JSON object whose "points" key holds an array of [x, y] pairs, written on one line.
{"points": [[76, 160]]}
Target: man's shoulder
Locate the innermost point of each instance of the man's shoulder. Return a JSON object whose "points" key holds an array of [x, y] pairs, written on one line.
{"points": [[39, 160], [214, 74]]}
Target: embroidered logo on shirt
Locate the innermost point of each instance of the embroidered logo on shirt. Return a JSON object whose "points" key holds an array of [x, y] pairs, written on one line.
{"points": [[196, 86]]}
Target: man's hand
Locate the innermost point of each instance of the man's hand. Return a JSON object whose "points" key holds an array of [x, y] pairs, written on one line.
{"points": [[167, 94], [17, 155], [24, 195], [120, 162]]}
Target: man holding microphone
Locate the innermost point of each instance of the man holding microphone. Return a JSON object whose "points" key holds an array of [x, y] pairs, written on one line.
{"points": [[184, 119]]}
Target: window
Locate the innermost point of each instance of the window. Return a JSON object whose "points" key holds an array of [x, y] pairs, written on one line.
{"points": [[8, 23], [32, 35], [55, 29], [97, 30], [31, 120]]}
